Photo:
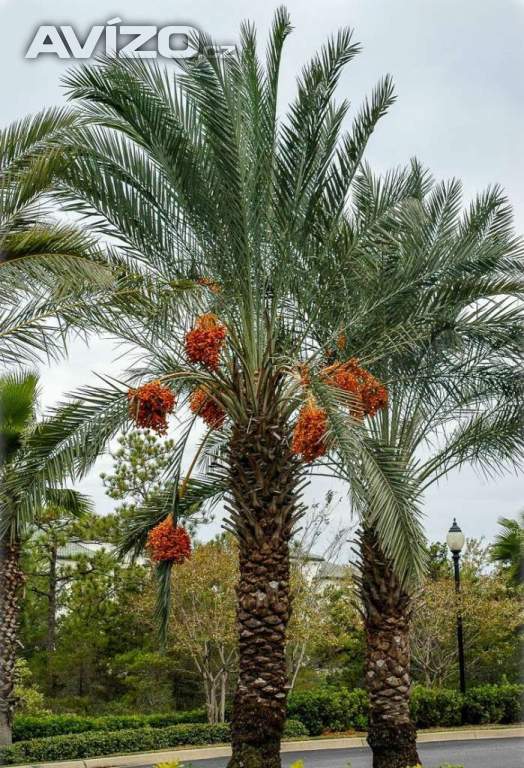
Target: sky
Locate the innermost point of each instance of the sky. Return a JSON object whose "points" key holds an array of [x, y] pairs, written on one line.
{"points": [[457, 65]]}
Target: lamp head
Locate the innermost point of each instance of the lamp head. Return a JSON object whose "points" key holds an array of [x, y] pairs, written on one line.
{"points": [[455, 538]]}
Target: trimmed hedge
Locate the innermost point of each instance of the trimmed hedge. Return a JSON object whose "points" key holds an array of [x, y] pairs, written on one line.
{"points": [[101, 743], [436, 706], [32, 727], [338, 709], [494, 704], [313, 712], [330, 709]]}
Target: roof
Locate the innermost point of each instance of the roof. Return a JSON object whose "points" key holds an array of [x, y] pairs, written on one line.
{"points": [[332, 571], [76, 547]]}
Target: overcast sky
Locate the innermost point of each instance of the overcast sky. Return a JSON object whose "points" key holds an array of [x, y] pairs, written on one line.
{"points": [[458, 67]]}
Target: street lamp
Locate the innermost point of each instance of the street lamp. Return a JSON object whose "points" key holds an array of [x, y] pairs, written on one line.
{"points": [[455, 541]]}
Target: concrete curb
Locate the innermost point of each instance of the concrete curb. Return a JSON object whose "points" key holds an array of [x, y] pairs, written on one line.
{"points": [[203, 753]]}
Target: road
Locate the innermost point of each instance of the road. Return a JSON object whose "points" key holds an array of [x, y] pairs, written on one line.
{"points": [[485, 753]]}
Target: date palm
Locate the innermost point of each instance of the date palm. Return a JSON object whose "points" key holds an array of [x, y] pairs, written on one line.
{"points": [[18, 394], [455, 392], [217, 206]]}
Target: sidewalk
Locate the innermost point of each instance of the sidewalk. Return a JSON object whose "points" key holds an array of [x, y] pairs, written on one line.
{"points": [[203, 753]]}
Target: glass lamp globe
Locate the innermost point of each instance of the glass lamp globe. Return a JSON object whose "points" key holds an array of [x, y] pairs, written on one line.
{"points": [[455, 538]]}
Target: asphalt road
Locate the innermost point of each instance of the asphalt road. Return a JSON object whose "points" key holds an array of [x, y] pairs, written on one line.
{"points": [[485, 753]]}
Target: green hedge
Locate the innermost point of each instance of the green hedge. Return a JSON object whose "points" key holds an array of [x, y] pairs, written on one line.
{"points": [[436, 706], [28, 727], [338, 709], [101, 743], [494, 704], [313, 712], [330, 709]]}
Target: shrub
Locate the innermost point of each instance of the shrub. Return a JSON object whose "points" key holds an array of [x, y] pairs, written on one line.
{"points": [[494, 704], [29, 699], [295, 728], [338, 709], [484, 704], [83, 745], [99, 743], [436, 706], [330, 709], [26, 727]]}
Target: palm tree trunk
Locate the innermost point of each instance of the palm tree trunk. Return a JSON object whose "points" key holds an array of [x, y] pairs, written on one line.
{"points": [[387, 611], [11, 579], [263, 507]]}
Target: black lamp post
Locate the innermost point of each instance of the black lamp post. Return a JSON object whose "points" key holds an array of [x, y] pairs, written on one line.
{"points": [[455, 540]]}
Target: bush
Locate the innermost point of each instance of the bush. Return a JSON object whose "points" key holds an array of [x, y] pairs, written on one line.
{"points": [[338, 709], [26, 727], [436, 706], [494, 704], [295, 728], [330, 709], [83, 745], [100, 743], [29, 699]]}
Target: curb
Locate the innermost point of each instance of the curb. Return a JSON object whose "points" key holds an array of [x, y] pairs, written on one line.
{"points": [[203, 753]]}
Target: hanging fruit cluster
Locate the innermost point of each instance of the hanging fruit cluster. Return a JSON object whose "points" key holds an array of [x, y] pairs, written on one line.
{"points": [[205, 406], [150, 405], [169, 542], [309, 435], [208, 282], [204, 342], [369, 395]]}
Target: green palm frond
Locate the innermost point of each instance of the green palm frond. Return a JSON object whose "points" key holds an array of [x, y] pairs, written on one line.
{"points": [[66, 444], [70, 500], [508, 548], [18, 395], [42, 263], [167, 501]]}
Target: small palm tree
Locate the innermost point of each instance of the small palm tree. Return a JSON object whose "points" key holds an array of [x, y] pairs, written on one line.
{"points": [[454, 389], [508, 549], [18, 394]]}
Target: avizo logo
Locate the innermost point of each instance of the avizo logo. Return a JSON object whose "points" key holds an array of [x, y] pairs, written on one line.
{"points": [[145, 41]]}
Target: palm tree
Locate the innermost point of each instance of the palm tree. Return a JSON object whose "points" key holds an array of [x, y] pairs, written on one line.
{"points": [[454, 389], [38, 291], [18, 394], [39, 257], [218, 211], [508, 549]]}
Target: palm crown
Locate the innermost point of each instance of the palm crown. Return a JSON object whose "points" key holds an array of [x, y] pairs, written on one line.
{"points": [[453, 282], [216, 207]]}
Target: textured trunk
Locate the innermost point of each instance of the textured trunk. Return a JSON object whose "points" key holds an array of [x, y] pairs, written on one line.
{"points": [[391, 733], [11, 580], [263, 508]]}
